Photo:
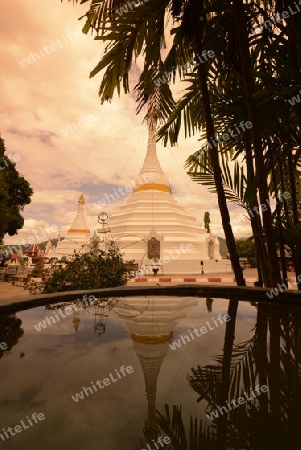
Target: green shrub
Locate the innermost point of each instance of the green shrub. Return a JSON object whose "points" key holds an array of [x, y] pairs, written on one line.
{"points": [[87, 271]]}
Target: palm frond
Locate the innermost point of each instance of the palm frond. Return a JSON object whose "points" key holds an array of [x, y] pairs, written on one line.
{"points": [[235, 182], [199, 435]]}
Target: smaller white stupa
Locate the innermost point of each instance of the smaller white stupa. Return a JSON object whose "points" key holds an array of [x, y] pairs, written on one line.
{"points": [[77, 238]]}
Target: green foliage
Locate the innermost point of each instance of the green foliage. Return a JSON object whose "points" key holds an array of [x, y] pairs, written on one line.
{"points": [[292, 235], [34, 287], [207, 221], [246, 248], [223, 247], [209, 303], [15, 193], [87, 271], [237, 188], [197, 436], [10, 331]]}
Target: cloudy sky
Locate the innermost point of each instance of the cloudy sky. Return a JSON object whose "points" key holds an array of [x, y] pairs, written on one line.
{"points": [[46, 98]]}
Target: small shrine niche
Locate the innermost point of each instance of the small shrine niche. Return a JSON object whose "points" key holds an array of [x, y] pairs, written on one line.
{"points": [[153, 248]]}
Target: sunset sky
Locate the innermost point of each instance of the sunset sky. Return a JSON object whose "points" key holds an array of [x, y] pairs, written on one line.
{"points": [[47, 89]]}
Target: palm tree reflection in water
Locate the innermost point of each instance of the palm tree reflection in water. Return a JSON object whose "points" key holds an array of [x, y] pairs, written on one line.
{"points": [[270, 357]]}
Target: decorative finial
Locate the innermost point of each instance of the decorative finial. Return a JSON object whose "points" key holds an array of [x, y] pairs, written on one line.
{"points": [[81, 198], [151, 118]]}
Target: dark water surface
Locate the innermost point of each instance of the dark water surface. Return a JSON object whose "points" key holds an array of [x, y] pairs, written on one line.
{"points": [[151, 390]]}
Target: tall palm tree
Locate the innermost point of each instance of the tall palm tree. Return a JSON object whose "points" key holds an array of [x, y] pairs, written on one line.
{"points": [[261, 173]]}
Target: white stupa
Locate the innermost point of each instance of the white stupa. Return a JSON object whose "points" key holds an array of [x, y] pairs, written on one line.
{"points": [[77, 237], [152, 212]]}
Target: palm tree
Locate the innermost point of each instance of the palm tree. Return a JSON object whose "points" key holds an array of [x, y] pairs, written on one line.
{"points": [[142, 31], [261, 174]]}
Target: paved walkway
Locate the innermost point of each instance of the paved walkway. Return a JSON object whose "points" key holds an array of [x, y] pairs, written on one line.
{"points": [[250, 276], [225, 278], [229, 280], [8, 290]]}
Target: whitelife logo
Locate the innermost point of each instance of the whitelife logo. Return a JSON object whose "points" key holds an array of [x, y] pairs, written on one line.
{"points": [[161, 440], [283, 287], [13, 158], [241, 400], [203, 330], [31, 240], [86, 120], [148, 268], [3, 346], [279, 17], [193, 62], [224, 137], [68, 310], [17, 428], [261, 208], [124, 9], [296, 99], [87, 391], [109, 198], [47, 50]]}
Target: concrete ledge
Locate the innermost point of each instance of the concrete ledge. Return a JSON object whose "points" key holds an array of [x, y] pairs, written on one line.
{"points": [[286, 298], [177, 279]]}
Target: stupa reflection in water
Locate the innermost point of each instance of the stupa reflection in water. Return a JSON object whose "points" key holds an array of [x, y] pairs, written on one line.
{"points": [[151, 333]]}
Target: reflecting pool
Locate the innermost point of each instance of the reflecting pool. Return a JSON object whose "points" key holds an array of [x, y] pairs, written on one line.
{"points": [[151, 373]]}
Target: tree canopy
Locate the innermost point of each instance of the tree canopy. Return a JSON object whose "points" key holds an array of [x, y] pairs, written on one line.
{"points": [[10, 332], [15, 193], [246, 247]]}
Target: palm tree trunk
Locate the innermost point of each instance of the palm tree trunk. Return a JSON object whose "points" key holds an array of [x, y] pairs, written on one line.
{"points": [[275, 378], [197, 9], [261, 358], [294, 51], [261, 254], [224, 387], [280, 229], [261, 175], [292, 181]]}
